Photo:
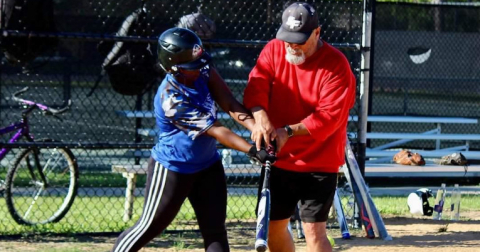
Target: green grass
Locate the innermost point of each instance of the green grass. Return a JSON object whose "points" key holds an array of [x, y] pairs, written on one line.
{"points": [[397, 206], [89, 179], [104, 214], [107, 179], [391, 205]]}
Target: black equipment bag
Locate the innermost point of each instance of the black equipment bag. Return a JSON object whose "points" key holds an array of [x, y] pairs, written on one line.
{"points": [[130, 66]]}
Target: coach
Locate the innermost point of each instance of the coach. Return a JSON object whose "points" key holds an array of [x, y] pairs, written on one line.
{"points": [[300, 93]]}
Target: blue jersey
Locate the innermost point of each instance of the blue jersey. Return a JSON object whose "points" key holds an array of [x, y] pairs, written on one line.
{"points": [[183, 114]]}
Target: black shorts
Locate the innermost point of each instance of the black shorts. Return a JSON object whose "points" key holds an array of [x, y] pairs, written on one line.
{"points": [[314, 191]]}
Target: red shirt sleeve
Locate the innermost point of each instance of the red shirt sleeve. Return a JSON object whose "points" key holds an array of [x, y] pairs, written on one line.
{"points": [[337, 97], [257, 92]]}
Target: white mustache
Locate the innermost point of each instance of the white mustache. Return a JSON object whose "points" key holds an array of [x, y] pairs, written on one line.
{"points": [[293, 51]]}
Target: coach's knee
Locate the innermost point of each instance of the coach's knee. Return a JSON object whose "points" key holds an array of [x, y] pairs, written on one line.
{"points": [[279, 238], [315, 231], [278, 231]]}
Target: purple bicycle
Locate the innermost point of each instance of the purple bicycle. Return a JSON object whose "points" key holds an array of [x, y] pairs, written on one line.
{"points": [[42, 184]]}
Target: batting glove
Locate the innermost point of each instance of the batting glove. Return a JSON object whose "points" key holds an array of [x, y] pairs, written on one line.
{"points": [[264, 154]]}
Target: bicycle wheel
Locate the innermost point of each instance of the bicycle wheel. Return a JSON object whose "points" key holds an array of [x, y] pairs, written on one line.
{"points": [[42, 185]]}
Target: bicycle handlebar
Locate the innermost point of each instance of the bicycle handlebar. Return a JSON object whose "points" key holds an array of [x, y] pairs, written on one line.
{"points": [[38, 105]]}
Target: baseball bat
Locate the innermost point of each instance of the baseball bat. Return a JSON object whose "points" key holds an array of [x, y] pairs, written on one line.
{"points": [[340, 216], [364, 218], [375, 218], [263, 214]]}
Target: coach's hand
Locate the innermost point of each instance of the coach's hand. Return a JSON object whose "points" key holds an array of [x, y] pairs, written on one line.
{"points": [[261, 156]]}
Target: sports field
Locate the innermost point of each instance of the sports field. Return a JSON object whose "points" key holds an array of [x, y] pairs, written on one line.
{"points": [[410, 234]]}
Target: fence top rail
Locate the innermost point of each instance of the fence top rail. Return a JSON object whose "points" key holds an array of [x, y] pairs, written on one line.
{"points": [[372, 118], [152, 39], [417, 119]]}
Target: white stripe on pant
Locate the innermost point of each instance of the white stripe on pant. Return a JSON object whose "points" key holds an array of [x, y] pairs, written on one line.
{"points": [[150, 206]]}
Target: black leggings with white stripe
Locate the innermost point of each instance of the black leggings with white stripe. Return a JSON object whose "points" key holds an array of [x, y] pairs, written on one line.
{"points": [[164, 195]]}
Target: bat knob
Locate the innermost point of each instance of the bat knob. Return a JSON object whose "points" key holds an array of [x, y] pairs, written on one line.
{"points": [[261, 246], [300, 235]]}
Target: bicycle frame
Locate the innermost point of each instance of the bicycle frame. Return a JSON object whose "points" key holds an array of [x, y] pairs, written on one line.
{"points": [[22, 125], [23, 131], [40, 169]]}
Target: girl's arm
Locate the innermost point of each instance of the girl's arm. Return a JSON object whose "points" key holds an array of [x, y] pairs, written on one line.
{"points": [[225, 99], [233, 141], [227, 138]]}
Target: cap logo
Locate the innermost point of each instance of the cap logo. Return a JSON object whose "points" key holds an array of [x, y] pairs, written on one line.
{"points": [[197, 51], [292, 22]]}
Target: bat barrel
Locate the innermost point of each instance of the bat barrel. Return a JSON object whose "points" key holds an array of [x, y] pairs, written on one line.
{"points": [[263, 214]]}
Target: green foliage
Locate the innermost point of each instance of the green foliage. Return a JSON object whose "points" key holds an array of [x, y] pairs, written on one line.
{"points": [[412, 16], [104, 214], [107, 179], [397, 205], [389, 205]]}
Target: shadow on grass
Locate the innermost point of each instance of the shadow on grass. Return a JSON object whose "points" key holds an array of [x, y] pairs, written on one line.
{"points": [[238, 238], [179, 241]]}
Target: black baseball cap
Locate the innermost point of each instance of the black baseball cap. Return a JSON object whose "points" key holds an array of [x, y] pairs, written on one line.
{"points": [[298, 21]]}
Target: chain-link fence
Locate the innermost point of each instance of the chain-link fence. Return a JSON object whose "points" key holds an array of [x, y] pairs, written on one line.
{"points": [[426, 64], [107, 128]]}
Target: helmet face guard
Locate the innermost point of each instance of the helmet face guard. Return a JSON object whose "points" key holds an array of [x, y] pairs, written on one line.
{"points": [[181, 48]]}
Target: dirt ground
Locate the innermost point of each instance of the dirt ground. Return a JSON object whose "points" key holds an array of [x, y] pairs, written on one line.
{"points": [[410, 234]]}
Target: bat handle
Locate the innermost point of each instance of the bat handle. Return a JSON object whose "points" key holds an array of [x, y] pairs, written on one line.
{"points": [[268, 164]]}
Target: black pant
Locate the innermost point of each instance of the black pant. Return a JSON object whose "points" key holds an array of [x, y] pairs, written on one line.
{"points": [[165, 193]]}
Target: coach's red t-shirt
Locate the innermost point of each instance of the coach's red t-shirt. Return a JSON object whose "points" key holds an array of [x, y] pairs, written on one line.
{"points": [[320, 92]]}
